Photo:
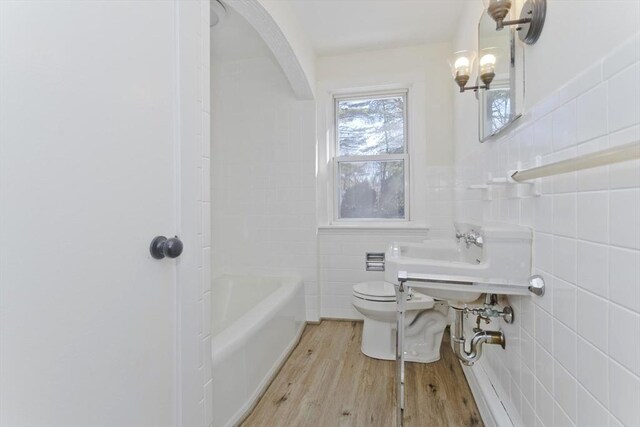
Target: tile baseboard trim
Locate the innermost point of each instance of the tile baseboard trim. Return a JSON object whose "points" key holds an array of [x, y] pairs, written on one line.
{"points": [[489, 404]]}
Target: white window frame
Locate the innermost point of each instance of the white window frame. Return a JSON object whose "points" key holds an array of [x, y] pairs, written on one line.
{"points": [[336, 160]]}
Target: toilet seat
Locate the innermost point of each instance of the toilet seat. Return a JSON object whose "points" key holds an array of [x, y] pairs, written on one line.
{"points": [[382, 292], [375, 291]]}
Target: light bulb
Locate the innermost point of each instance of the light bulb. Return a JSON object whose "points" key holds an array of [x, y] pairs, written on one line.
{"points": [[487, 63], [461, 64], [488, 59]]}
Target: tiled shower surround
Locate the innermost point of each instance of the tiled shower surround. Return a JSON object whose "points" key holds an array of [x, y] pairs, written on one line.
{"points": [[572, 356], [262, 175]]}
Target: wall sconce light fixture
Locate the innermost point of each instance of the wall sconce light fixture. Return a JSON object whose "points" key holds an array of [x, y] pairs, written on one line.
{"points": [[462, 64], [531, 21]]}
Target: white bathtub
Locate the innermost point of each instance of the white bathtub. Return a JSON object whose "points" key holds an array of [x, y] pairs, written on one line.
{"points": [[256, 322]]}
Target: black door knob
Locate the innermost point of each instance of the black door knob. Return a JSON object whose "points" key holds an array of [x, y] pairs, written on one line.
{"points": [[162, 247]]}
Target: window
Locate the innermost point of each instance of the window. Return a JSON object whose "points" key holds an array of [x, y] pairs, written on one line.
{"points": [[371, 159]]}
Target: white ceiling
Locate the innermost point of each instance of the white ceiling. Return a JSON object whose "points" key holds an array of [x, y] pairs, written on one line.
{"points": [[343, 26]]}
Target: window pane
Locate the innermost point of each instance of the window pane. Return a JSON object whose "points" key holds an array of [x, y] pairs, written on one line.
{"points": [[498, 108], [371, 189], [370, 126]]}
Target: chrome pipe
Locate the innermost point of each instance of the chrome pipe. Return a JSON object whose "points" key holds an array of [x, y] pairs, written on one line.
{"points": [[458, 340], [401, 305]]}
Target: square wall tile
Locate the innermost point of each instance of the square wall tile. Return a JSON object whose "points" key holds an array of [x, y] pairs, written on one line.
{"points": [[565, 389], [543, 252], [593, 319], [564, 302], [544, 329], [564, 126], [544, 405], [622, 56], [591, 113], [624, 388], [565, 347], [528, 382], [564, 214], [593, 372], [564, 260], [543, 135], [560, 417], [624, 98], [593, 267], [624, 337], [591, 413], [624, 276], [527, 350], [624, 218], [543, 214], [544, 367], [593, 216]]}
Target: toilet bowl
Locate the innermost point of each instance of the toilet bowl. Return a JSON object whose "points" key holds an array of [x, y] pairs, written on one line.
{"points": [[425, 322]]}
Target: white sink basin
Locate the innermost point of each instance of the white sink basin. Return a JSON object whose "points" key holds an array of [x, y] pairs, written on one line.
{"points": [[449, 270]]}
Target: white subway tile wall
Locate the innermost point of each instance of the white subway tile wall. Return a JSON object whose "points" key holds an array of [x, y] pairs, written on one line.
{"points": [[341, 252], [579, 344], [263, 175], [342, 265]]}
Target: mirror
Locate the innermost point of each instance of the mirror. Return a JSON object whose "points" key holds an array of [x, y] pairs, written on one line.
{"points": [[499, 105]]}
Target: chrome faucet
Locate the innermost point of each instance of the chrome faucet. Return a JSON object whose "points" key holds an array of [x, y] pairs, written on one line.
{"points": [[473, 237]]}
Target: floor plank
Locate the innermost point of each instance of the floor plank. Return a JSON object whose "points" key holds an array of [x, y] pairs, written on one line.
{"points": [[328, 382]]}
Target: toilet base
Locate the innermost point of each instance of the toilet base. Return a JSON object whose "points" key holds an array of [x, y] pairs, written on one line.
{"points": [[423, 336]]}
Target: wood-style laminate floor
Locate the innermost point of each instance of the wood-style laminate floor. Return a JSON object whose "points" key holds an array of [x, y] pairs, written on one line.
{"points": [[328, 382]]}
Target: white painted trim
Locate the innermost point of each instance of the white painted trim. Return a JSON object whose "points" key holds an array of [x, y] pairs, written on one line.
{"points": [[192, 43], [414, 85], [491, 408], [403, 228], [264, 24]]}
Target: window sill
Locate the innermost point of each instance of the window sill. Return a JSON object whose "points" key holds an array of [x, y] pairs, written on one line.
{"points": [[374, 226]]}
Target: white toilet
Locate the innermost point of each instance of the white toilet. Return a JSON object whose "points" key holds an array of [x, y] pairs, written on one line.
{"points": [[426, 320]]}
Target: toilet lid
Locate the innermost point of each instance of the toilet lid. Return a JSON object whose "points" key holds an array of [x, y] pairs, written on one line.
{"points": [[378, 291]]}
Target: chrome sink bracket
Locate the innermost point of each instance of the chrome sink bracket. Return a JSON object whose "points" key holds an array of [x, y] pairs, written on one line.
{"points": [[401, 305], [536, 285]]}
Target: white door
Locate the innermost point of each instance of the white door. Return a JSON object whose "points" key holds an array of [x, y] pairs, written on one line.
{"points": [[88, 176]]}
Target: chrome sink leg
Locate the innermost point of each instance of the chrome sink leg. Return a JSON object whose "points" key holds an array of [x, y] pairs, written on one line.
{"points": [[401, 304]]}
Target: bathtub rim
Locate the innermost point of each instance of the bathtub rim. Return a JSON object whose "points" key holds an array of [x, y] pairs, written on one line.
{"points": [[232, 338]]}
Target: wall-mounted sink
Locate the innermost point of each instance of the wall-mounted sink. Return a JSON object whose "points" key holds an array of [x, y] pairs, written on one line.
{"points": [[490, 258]]}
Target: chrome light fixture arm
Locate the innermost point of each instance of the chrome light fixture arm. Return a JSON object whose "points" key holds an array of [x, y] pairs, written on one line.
{"points": [[530, 23]]}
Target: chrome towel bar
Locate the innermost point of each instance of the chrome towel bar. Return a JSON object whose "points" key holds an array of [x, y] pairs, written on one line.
{"points": [[620, 153]]}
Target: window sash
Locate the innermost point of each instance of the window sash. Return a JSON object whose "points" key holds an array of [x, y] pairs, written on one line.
{"points": [[371, 95], [404, 156], [376, 158]]}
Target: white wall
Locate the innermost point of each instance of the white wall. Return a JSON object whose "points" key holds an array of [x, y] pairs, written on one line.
{"points": [[262, 169], [572, 355], [424, 70], [341, 264]]}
